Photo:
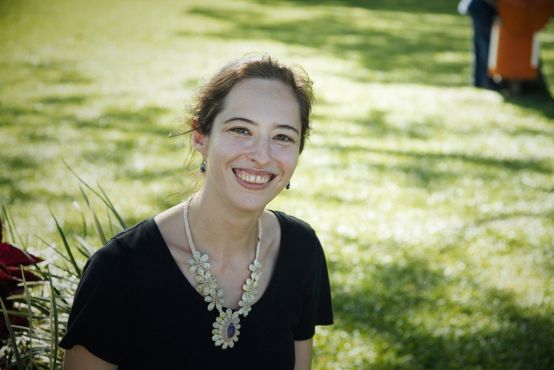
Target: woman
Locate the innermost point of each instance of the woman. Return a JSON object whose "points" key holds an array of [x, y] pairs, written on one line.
{"points": [[216, 282]]}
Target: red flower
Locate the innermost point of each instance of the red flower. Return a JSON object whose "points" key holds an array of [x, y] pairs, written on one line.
{"points": [[11, 260]]}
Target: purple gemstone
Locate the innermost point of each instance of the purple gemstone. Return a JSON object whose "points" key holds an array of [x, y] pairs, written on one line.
{"points": [[230, 330]]}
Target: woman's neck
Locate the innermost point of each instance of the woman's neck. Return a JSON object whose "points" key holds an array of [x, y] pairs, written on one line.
{"points": [[221, 230]]}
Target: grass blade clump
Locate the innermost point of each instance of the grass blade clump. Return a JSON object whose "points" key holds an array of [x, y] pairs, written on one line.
{"points": [[68, 251], [44, 304]]}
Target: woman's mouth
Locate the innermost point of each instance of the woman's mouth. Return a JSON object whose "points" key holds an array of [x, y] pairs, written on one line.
{"points": [[251, 178]]}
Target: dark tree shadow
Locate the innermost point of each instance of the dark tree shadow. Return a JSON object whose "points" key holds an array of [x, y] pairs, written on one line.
{"points": [[412, 6], [490, 331], [413, 49], [119, 130], [406, 52], [540, 166], [534, 100]]}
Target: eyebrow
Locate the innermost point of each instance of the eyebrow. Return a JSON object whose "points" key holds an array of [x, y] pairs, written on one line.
{"points": [[249, 121]]}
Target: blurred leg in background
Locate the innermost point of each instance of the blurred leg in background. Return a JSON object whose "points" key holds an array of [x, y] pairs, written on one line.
{"points": [[482, 15]]}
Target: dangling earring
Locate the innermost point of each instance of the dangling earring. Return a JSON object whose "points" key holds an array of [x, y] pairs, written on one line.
{"points": [[288, 186], [203, 166]]}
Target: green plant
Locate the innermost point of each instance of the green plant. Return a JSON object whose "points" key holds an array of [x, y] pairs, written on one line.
{"points": [[37, 306]]}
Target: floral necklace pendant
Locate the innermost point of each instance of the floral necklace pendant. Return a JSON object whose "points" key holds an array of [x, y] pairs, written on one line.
{"points": [[226, 328]]}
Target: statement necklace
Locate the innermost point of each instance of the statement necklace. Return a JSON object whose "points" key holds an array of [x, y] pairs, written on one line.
{"points": [[226, 326]]}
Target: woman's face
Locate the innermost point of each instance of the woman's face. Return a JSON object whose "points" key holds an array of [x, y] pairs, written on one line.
{"points": [[253, 147]]}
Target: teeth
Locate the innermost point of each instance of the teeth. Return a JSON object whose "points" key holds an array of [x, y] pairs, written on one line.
{"points": [[255, 179]]}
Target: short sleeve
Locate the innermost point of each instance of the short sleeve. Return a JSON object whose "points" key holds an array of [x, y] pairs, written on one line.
{"points": [[97, 320], [316, 303]]}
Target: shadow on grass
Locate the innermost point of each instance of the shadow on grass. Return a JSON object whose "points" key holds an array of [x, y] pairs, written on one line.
{"points": [[515, 165], [412, 6], [124, 120], [402, 41], [376, 123], [539, 102], [391, 47], [427, 170], [64, 100], [8, 114], [515, 231], [53, 125], [412, 311], [540, 166], [59, 72]]}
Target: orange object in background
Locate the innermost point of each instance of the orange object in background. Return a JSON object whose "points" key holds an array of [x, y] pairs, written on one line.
{"points": [[514, 48]]}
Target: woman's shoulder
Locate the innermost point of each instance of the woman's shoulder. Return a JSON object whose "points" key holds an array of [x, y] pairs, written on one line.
{"points": [[292, 224], [301, 254], [126, 243], [298, 238]]}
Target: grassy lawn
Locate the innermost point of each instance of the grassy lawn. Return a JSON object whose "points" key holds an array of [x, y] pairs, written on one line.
{"points": [[434, 200]]}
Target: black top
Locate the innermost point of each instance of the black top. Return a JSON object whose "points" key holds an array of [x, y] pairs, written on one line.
{"points": [[135, 308]]}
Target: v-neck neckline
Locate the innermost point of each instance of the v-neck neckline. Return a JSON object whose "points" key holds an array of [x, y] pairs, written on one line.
{"points": [[177, 270]]}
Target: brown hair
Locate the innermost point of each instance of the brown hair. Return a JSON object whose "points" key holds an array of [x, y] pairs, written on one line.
{"points": [[211, 98]]}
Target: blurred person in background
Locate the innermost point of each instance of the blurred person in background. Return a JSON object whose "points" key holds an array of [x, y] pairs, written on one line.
{"points": [[506, 45], [482, 13]]}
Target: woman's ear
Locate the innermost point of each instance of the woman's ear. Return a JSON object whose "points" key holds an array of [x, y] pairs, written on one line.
{"points": [[200, 142]]}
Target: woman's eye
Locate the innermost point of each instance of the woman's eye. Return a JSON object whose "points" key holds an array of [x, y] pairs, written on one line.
{"points": [[240, 130], [285, 138]]}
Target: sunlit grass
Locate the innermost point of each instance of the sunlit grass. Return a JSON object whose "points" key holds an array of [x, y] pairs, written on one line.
{"points": [[433, 200]]}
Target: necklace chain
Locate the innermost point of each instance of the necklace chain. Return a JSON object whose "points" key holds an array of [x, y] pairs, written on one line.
{"points": [[226, 327]]}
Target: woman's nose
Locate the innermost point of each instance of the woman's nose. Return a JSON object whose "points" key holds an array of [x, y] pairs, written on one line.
{"points": [[261, 151]]}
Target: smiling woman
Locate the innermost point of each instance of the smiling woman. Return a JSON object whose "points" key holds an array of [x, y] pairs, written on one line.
{"points": [[254, 143], [229, 284]]}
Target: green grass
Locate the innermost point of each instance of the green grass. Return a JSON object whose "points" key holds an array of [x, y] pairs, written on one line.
{"points": [[434, 201]]}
